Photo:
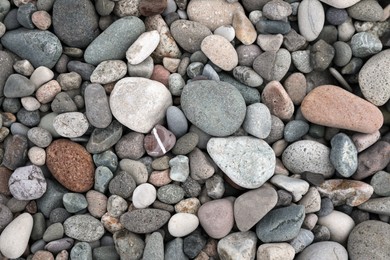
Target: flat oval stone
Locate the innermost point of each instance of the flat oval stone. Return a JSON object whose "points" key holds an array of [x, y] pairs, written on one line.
{"points": [[275, 97], [14, 238], [74, 202], [339, 225], [333, 106], [363, 240], [379, 206], [381, 183], [325, 250], [75, 22], [311, 19], [220, 52], [71, 124], [231, 153], [349, 192], [307, 155], [97, 108], [182, 224], [27, 183], [374, 78], [71, 165], [144, 221], [102, 139], [203, 11], [189, 34], [139, 103], [209, 105], [109, 71], [115, 40], [275, 250], [18, 86], [343, 155], [246, 207], [258, 120], [143, 47], [159, 142], [245, 32], [27, 45], [84, 228], [272, 65]]}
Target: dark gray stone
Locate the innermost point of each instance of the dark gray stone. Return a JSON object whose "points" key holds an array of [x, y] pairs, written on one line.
{"points": [[343, 155], [6, 69], [250, 95], [326, 207], [154, 248], [15, 152], [63, 103], [272, 27], [24, 15], [174, 250], [39, 226], [103, 176], [122, 185], [177, 122], [336, 16], [105, 252], [193, 244], [321, 55], [81, 250], [75, 22], [59, 215], [83, 69], [189, 34], [52, 198], [97, 108], [191, 188], [343, 53], [103, 138], [74, 202], [41, 48], [57, 246], [294, 130], [144, 220], [170, 194], [107, 158], [11, 20], [128, 244], [28, 118], [365, 44]]}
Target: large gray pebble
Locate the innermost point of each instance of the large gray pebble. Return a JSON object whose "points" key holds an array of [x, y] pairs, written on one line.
{"points": [[81, 250], [52, 198], [258, 120], [97, 108], [154, 248], [170, 194], [39, 136], [177, 122], [366, 10], [326, 250], [84, 228], [103, 138], [189, 34], [343, 155], [294, 130], [217, 108], [250, 95], [365, 44], [74, 202], [144, 220], [71, 124], [272, 65], [381, 183], [27, 45], [18, 86]]}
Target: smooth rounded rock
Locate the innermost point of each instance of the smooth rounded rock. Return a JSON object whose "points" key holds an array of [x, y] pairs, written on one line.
{"points": [[339, 225], [109, 71], [326, 250], [343, 155], [189, 34], [18, 86], [365, 44], [71, 124], [84, 228], [311, 19], [229, 153], [182, 224], [177, 122], [97, 107], [268, 251], [275, 97], [27, 183], [74, 202], [144, 220], [381, 183], [238, 245], [142, 47], [366, 10], [139, 103], [272, 65], [144, 195], [339, 108], [204, 104], [258, 120], [220, 52], [245, 32]]}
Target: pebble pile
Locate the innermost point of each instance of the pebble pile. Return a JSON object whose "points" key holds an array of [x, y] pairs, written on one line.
{"points": [[194, 129]]}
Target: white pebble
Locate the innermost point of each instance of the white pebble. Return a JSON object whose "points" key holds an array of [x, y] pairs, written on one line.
{"points": [[144, 195], [143, 47], [182, 224], [30, 103], [37, 155], [226, 31], [41, 75], [171, 7]]}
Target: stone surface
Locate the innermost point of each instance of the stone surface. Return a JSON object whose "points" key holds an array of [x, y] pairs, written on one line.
{"points": [[229, 153], [380, 182], [324, 251], [142, 47], [339, 225], [139, 103], [14, 238], [363, 240], [277, 100], [30, 49], [245, 32], [71, 165], [182, 224], [238, 245], [144, 220], [258, 120], [270, 251], [144, 195], [246, 210], [220, 52], [159, 142], [296, 187], [374, 80], [189, 34], [343, 155], [208, 105], [272, 65], [27, 183], [311, 18], [379, 206], [84, 228], [335, 107], [71, 124], [109, 71]]}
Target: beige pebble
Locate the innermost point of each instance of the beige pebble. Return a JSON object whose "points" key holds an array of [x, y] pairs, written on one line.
{"points": [[41, 75], [97, 203], [23, 67], [41, 19], [220, 52], [245, 31], [47, 92], [30, 103], [190, 205], [159, 178], [171, 64], [37, 155]]}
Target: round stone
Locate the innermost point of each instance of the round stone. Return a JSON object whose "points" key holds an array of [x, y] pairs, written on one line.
{"points": [[343, 155], [272, 65], [220, 52], [365, 44], [275, 97], [143, 47], [209, 105], [27, 183], [84, 228], [109, 71], [324, 251], [170, 194], [276, 250], [39, 136], [189, 34], [144, 196], [182, 224], [71, 124], [339, 225], [71, 165], [74, 202], [311, 19], [177, 122], [139, 103], [295, 129], [238, 245], [144, 220]]}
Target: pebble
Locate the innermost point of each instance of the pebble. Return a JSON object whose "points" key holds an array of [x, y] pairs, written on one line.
{"points": [[269, 42], [277, 10], [114, 41], [201, 12], [268, 251], [5, 216], [294, 130], [217, 217], [14, 238], [193, 244], [307, 155], [74, 202], [71, 165], [258, 120], [177, 122], [324, 251], [250, 95], [190, 205], [336, 16], [366, 10], [81, 250], [311, 19], [30, 50], [220, 52], [363, 240], [128, 244], [144, 195], [365, 44], [363, 141], [102, 139], [28, 118], [174, 249], [159, 178], [97, 203], [57, 246], [47, 92], [343, 53], [24, 15], [170, 194], [204, 104], [27, 183], [237, 149], [194, 69], [109, 71], [84, 228], [179, 168], [343, 155], [226, 31], [116, 206], [246, 210], [296, 187], [103, 176], [182, 224], [144, 220], [281, 224], [271, 65], [41, 254], [37, 155], [53, 232], [105, 252], [379, 206], [200, 165], [39, 136], [339, 224], [154, 247], [275, 97], [18, 86], [321, 55], [151, 7], [71, 124], [30, 103], [245, 32], [215, 188], [374, 80], [301, 60], [130, 146], [247, 54], [238, 245], [123, 184], [15, 152], [152, 100], [380, 182], [189, 34], [159, 142], [332, 108], [52, 198], [142, 47], [272, 27], [247, 76], [107, 158]]}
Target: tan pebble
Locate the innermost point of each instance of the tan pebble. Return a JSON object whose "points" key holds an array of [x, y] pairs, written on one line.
{"points": [[159, 178], [363, 141], [37, 155], [280, 169], [190, 205], [63, 255], [333, 106], [171, 64], [245, 31], [47, 92], [42, 255], [279, 147], [220, 52], [296, 86], [277, 100], [41, 19], [97, 203], [110, 223]]}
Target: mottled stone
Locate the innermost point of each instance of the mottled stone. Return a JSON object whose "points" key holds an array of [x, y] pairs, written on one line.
{"points": [[84, 228], [275, 97], [144, 220], [238, 245]]}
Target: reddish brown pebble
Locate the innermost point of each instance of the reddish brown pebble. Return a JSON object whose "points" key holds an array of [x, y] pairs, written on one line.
{"points": [[295, 86], [333, 106], [159, 178], [152, 7], [349, 192], [4, 178], [159, 141], [42, 255], [41, 19], [161, 74], [277, 100], [71, 165], [372, 160]]}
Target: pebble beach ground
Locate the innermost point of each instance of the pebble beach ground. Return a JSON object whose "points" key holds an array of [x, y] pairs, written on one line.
{"points": [[194, 129]]}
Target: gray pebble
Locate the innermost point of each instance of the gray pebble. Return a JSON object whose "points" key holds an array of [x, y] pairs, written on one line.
{"points": [[343, 53], [27, 183], [24, 15], [52, 198], [4, 8], [326, 207], [193, 244], [28, 118], [247, 54], [177, 122], [6, 216], [16, 205], [144, 220], [53, 232], [59, 215], [180, 169], [143, 69], [116, 206], [39, 136], [284, 198], [293, 41], [107, 158], [105, 252], [57, 246], [128, 244], [74, 202], [321, 233], [81, 250], [366, 10], [176, 84], [39, 226], [198, 56], [10, 21], [344, 155], [329, 34], [71, 124], [18, 86], [194, 69], [12, 105], [103, 138], [294, 130], [63, 103], [304, 239], [97, 108], [15, 152], [272, 27], [47, 123], [321, 55], [154, 247], [250, 95], [84, 228], [103, 176], [336, 16], [272, 65], [353, 66], [247, 76], [277, 130], [37, 245], [83, 69], [191, 187], [170, 194], [122, 185], [381, 183], [174, 250], [186, 143], [365, 44], [301, 60], [215, 187], [104, 7], [130, 146]]}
